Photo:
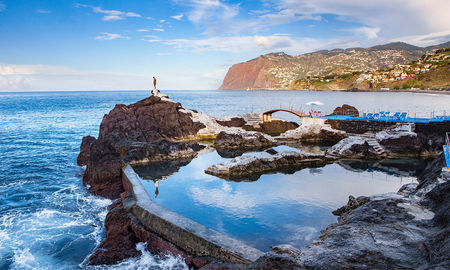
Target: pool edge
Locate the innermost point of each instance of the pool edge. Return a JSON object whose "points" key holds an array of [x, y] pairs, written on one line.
{"points": [[182, 231]]}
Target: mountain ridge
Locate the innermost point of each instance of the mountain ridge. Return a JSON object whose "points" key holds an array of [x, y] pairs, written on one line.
{"points": [[279, 70]]}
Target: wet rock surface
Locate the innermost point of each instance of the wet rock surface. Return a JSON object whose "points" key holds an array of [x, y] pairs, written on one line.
{"points": [[251, 167], [238, 139]]}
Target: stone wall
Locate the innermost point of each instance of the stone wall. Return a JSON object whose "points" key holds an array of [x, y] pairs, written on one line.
{"points": [[360, 126], [190, 236]]}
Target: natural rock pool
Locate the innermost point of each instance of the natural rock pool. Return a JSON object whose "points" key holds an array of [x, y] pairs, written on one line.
{"points": [[279, 208]]}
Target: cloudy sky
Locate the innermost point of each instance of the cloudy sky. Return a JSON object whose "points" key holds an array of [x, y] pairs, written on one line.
{"points": [[189, 44]]}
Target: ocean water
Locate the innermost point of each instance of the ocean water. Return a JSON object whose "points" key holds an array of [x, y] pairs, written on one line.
{"points": [[47, 218]]}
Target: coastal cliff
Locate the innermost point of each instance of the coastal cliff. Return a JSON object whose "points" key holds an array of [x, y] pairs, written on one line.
{"points": [[335, 69]]}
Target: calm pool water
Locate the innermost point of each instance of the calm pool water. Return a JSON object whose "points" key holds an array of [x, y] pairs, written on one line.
{"points": [[277, 208]]}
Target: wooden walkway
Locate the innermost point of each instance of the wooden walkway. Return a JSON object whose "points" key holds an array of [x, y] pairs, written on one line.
{"points": [[267, 116]]}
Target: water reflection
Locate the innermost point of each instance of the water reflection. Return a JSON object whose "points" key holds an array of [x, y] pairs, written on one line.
{"points": [[277, 208], [409, 167], [159, 171]]}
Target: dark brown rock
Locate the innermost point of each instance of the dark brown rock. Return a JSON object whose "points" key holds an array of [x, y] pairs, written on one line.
{"points": [[328, 136], [404, 143], [123, 232], [233, 122], [346, 110], [85, 150], [242, 139], [103, 172], [137, 132], [274, 127], [360, 126], [353, 147], [149, 120]]}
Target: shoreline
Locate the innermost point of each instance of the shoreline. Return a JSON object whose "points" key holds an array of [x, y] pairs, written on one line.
{"points": [[445, 92]]}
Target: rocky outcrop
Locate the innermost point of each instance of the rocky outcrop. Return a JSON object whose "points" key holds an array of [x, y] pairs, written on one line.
{"points": [[136, 133], [149, 120], [251, 167], [360, 126], [345, 110], [396, 141], [273, 128], [353, 147], [238, 139], [405, 230], [314, 130], [232, 122], [85, 150], [253, 122], [400, 141], [124, 232]]}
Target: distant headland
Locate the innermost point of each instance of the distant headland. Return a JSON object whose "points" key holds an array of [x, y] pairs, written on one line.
{"points": [[393, 66]]}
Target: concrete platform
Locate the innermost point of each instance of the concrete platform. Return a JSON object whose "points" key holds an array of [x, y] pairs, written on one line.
{"points": [[181, 231]]}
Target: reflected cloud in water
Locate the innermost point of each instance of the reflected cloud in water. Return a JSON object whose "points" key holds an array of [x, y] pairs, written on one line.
{"points": [[277, 208]]}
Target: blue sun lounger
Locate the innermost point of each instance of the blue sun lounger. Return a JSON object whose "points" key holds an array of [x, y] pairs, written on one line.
{"points": [[403, 116]]}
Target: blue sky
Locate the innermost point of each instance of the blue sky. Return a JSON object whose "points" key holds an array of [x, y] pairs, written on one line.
{"points": [[190, 44]]}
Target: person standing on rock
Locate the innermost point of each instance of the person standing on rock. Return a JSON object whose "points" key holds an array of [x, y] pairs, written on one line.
{"points": [[155, 91]]}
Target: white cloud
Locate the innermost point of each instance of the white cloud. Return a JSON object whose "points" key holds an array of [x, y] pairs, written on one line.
{"points": [[162, 21], [391, 17], [256, 44], [178, 17], [218, 17], [158, 29], [142, 30], [427, 39], [110, 36], [367, 32], [110, 15], [216, 75], [53, 78], [206, 10], [43, 11]]}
